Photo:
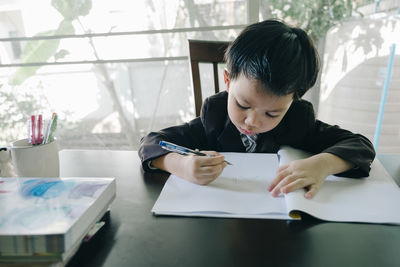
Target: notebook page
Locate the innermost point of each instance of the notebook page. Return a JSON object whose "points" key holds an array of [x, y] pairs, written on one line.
{"points": [[374, 199], [240, 191]]}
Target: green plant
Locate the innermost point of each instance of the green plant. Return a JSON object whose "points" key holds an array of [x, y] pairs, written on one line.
{"points": [[314, 16], [42, 50]]}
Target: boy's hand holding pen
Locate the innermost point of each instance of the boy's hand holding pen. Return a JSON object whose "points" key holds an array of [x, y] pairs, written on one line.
{"points": [[184, 150], [35, 130], [197, 167]]}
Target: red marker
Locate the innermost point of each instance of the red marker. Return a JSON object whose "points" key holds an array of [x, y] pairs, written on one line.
{"points": [[33, 130], [40, 125]]}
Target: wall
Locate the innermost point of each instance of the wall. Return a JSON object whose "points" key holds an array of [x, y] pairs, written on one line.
{"points": [[355, 66]]}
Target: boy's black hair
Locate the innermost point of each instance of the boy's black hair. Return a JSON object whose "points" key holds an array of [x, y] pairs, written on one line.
{"points": [[283, 58]]}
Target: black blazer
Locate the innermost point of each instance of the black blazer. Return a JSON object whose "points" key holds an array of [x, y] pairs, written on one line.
{"points": [[213, 130]]}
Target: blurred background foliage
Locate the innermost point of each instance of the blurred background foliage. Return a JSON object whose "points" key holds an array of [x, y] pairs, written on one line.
{"points": [[314, 16]]}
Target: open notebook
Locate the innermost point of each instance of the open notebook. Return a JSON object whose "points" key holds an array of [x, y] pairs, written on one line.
{"points": [[241, 192], [46, 219]]}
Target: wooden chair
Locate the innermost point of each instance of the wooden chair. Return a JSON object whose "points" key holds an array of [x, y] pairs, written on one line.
{"points": [[205, 52]]}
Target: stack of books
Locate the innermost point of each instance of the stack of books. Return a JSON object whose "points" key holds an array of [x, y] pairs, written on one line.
{"points": [[43, 221]]}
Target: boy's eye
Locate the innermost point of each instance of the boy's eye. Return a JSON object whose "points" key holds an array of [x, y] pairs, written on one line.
{"points": [[271, 116], [240, 106]]}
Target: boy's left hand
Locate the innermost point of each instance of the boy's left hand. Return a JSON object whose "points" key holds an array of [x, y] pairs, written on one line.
{"points": [[305, 173], [308, 173]]}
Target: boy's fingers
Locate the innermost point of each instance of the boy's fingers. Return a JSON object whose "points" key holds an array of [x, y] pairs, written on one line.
{"points": [[297, 184], [210, 152], [279, 177], [212, 170], [208, 160], [277, 188], [289, 183], [210, 173], [313, 189], [281, 168]]}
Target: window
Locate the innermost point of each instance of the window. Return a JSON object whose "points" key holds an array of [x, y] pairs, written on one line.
{"points": [[115, 70], [112, 70]]}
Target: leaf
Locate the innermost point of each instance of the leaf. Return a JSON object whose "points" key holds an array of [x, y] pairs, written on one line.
{"points": [[60, 54], [72, 9], [316, 16], [39, 51]]}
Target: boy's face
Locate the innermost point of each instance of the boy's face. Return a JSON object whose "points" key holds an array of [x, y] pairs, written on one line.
{"points": [[251, 109]]}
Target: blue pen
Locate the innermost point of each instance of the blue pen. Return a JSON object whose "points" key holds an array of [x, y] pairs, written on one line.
{"points": [[183, 150]]}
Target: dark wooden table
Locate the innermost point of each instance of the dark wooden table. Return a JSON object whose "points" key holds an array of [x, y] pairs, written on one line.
{"points": [[134, 237]]}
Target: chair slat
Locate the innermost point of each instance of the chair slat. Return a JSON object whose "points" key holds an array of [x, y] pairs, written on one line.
{"points": [[205, 52]]}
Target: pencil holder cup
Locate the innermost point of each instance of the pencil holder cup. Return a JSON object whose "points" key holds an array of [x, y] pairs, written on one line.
{"points": [[35, 161], [6, 168]]}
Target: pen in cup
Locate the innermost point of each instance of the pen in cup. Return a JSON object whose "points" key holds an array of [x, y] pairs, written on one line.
{"points": [[51, 127], [183, 150], [37, 134], [33, 132], [40, 129]]}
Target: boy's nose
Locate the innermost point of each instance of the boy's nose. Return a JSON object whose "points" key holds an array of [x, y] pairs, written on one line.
{"points": [[252, 120]]}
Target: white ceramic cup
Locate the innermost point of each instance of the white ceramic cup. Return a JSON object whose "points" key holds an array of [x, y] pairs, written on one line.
{"points": [[35, 161]]}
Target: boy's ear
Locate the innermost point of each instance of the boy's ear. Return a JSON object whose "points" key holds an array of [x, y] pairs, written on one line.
{"points": [[226, 79]]}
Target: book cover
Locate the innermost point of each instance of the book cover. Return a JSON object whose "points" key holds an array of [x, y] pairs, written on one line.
{"points": [[49, 217]]}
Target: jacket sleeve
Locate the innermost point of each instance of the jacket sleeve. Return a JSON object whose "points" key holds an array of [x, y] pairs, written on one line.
{"points": [[320, 137], [189, 134]]}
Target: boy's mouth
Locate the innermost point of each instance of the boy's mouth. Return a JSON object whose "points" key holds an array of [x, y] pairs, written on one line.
{"points": [[246, 132]]}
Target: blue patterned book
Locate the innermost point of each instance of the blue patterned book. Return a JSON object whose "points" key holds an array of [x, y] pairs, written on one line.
{"points": [[47, 218]]}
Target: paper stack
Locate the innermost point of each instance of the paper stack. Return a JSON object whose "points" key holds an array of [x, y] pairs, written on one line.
{"points": [[44, 220]]}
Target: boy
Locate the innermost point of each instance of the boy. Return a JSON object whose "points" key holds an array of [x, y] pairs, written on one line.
{"points": [[270, 66]]}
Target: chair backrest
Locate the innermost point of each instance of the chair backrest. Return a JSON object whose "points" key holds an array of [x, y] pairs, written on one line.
{"points": [[205, 52]]}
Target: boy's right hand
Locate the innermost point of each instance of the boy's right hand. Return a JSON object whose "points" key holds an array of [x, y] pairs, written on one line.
{"points": [[200, 170]]}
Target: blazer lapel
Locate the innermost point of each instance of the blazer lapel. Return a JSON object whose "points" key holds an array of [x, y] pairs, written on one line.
{"points": [[229, 140], [267, 143]]}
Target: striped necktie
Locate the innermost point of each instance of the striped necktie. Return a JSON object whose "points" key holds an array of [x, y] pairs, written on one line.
{"points": [[249, 142]]}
